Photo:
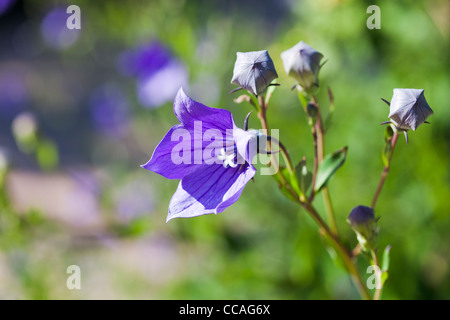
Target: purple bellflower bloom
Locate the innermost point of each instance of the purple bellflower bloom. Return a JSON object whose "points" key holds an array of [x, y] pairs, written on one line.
{"points": [[212, 159]]}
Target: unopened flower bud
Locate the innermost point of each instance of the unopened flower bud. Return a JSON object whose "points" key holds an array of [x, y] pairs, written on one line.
{"points": [[409, 108], [254, 71], [363, 222], [302, 63]]}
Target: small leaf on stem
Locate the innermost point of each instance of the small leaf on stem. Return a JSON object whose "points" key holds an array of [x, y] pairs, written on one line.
{"points": [[304, 176], [328, 167], [385, 263], [270, 90]]}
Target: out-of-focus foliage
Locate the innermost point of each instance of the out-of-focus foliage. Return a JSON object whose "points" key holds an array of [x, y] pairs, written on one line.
{"points": [[81, 197]]}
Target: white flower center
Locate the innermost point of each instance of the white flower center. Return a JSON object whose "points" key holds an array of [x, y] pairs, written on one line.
{"points": [[228, 158]]}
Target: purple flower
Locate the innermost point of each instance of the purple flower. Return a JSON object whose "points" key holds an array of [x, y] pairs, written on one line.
{"points": [[110, 110], [159, 74], [145, 60], [162, 86], [55, 32], [213, 159], [14, 93]]}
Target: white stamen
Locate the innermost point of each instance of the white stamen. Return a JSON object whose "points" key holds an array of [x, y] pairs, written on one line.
{"points": [[228, 158]]}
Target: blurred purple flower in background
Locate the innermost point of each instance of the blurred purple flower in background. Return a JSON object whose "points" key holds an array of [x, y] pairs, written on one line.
{"points": [[13, 90], [158, 73], [55, 32], [110, 110], [5, 5]]}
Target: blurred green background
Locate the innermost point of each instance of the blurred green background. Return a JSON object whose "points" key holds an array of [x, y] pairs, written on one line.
{"points": [[81, 110]]}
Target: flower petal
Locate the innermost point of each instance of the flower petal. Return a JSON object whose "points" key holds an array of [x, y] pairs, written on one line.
{"points": [[188, 111], [202, 133], [246, 143], [162, 162], [209, 190]]}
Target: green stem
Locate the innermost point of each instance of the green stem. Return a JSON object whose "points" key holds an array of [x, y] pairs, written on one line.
{"points": [[263, 119], [342, 251], [316, 163], [331, 217], [377, 294], [385, 171], [345, 255], [286, 157], [329, 208]]}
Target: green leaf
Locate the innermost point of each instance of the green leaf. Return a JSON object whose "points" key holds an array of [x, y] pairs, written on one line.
{"points": [[270, 90], [388, 133], [255, 102], [328, 167], [385, 263], [386, 155], [384, 277], [303, 99], [304, 176], [331, 112], [290, 179]]}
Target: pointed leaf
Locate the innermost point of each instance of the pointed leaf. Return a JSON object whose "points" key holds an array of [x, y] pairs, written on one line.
{"points": [[304, 176], [270, 90], [386, 155], [385, 263], [303, 99], [328, 167]]}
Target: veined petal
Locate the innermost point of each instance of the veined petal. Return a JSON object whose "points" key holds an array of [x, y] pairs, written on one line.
{"points": [[162, 160], [188, 111], [210, 189], [182, 150]]}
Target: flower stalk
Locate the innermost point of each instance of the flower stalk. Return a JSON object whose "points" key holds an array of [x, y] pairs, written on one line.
{"points": [[378, 289], [385, 171], [324, 229]]}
